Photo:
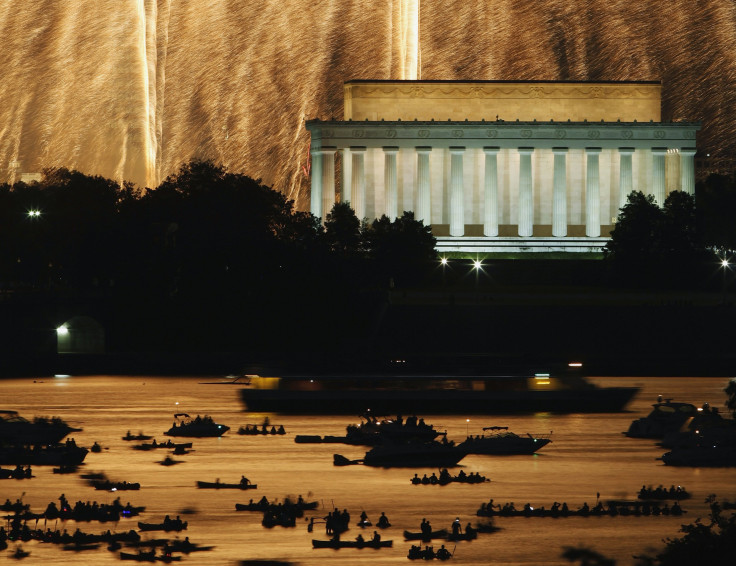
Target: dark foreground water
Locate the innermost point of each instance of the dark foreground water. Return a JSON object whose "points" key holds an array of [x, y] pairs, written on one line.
{"points": [[588, 455]]}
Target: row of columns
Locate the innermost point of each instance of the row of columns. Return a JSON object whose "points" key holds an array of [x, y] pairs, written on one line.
{"points": [[323, 185]]}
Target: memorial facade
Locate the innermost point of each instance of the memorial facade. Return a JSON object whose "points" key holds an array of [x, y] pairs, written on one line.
{"points": [[499, 166]]}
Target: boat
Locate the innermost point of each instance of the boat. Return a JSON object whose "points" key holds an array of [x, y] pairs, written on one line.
{"points": [[433, 394], [166, 525], [500, 441], [265, 505], [407, 455], [139, 436], [220, 485], [153, 445], [669, 416], [702, 455], [19, 553], [414, 454], [199, 427], [141, 556], [107, 485], [662, 493], [351, 543], [372, 430], [441, 533], [15, 429], [67, 454]]}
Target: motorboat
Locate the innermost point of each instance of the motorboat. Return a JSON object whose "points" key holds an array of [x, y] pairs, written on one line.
{"points": [[669, 416], [184, 425], [414, 454], [15, 429], [498, 440]]}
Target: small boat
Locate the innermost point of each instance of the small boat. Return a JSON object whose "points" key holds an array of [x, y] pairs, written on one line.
{"points": [[138, 437], [199, 427], [65, 469], [66, 454], [220, 485], [170, 525], [19, 553], [168, 444], [409, 535], [500, 441], [169, 461], [351, 543], [96, 448], [372, 431], [661, 493], [142, 556], [106, 485]]}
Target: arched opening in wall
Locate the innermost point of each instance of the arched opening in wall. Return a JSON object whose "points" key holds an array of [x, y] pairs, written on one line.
{"points": [[80, 335]]}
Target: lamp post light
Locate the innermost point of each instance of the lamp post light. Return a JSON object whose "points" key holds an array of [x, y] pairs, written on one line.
{"points": [[443, 262], [477, 265]]}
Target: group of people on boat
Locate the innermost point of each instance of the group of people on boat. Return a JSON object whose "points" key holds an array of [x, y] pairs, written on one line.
{"points": [[444, 478], [254, 429], [375, 538], [416, 552], [613, 508], [661, 492], [86, 511], [19, 473]]}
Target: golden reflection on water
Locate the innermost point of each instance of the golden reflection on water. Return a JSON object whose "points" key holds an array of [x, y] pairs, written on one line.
{"points": [[588, 455]]}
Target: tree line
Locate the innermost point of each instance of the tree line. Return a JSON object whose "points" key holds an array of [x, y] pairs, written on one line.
{"points": [[208, 259]]}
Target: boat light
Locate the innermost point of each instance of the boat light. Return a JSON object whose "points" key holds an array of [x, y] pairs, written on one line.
{"points": [[575, 364], [62, 330], [541, 378]]}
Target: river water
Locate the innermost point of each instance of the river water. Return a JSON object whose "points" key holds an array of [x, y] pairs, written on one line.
{"points": [[588, 455]]}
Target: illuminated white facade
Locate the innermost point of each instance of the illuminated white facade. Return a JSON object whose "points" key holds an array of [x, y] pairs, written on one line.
{"points": [[492, 185]]}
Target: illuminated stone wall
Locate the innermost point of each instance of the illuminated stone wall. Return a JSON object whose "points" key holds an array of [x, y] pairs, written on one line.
{"points": [[503, 100]]}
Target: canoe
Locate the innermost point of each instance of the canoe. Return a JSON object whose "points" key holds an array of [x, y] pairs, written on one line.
{"points": [[170, 526], [221, 485], [408, 535], [351, 544]]}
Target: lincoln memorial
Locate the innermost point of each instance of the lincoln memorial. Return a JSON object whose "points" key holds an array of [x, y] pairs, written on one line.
{"points": [[500, 166]]}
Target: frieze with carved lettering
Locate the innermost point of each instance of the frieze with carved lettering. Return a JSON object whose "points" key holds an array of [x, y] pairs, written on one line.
{"points": [[526, 133], [627, 134], [492, 133], [358, 133], [659, 135], [457, 133], [594, 134], [391, 134], [560, 134]]}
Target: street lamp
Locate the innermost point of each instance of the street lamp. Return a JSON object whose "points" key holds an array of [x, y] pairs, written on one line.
{"points": [[443, 262]]}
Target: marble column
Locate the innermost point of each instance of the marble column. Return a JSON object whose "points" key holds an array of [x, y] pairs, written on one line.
{"points": [[457, 200], [490, 218], [357, 181], [328, 179], [625, 175], [687, 170], [658, 186], [559, 193], [526, 201], [592, 193], [316, 193], [390, 182], [347, 177], [423, 202]]}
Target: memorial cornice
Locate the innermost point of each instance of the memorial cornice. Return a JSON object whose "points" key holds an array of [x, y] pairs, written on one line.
{"points": [[507, 134]]}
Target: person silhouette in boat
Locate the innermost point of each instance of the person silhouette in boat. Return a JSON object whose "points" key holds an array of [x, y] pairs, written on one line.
{"points": [[456, 528], [244, 481], [443, 553], [383, 521], [359, 539], [376, 537]]}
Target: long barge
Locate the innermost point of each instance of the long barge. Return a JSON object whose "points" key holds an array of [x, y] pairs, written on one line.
{"points": [[431, 394]]}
